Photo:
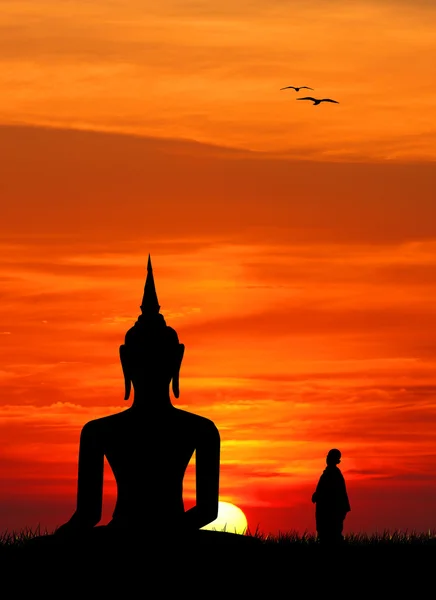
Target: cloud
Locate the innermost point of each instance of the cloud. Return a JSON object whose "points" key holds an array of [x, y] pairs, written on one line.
{"points": [[117, 67], [318, 320], [56, 414], [253, 199]]}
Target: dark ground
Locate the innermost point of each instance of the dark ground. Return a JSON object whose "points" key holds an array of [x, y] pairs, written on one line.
{"points": [[162, 567]]}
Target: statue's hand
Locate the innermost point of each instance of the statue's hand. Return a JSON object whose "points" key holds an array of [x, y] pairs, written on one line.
{"points": [[70, 528], [65, 529]]}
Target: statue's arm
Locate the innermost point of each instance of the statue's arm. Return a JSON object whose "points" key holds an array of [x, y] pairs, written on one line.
{"points": [[207, 469], [90, 481]]}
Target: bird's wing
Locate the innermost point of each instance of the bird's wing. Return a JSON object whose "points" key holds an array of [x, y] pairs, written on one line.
{"points": [[307, 98], [306, 88], [289, 87], [329, 100]]}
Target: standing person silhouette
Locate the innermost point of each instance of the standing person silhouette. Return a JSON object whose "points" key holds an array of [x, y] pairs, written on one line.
{"points": [[331, 499]]}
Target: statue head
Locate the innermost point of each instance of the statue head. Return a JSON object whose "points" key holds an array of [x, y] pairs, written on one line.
{"points": [[151, 355], [333, 457]]}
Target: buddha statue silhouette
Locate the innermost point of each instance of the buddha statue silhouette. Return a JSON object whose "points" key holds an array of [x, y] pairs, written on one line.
{"points": [[149, 445]]}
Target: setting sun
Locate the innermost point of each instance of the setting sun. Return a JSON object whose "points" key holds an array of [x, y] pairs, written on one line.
{"points": [[230, 518]]}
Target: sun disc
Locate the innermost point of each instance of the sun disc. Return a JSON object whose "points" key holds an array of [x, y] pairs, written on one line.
{"points": [[230, 518]]}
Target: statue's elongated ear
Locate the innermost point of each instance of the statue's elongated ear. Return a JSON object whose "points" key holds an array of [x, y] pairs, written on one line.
{"points": [[176, 373], [126, 372]]}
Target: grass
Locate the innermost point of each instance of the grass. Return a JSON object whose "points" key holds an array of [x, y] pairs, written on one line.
{"points": [[19, 538], [394, 538], [282, 539]]}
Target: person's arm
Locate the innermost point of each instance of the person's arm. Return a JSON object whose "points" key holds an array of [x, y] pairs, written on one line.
{"points": [[316, 494], [207, 467], [90, 482], [347, 507]]}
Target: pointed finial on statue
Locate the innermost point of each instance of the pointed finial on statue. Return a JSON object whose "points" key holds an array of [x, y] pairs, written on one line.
{"points": [[150, 329], [150, 304]]}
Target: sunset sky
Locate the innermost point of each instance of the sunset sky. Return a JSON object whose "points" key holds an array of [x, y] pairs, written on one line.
{"points": [[293, 246]]}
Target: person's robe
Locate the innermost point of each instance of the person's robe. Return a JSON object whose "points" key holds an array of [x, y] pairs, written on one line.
{"points": [[331, 496]]}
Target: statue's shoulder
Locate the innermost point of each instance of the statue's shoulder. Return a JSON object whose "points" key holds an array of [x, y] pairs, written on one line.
{"points": [[103, 423], [197, 422]]}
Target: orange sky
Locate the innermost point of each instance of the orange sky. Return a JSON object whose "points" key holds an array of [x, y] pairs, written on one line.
{"points": [[293, 246]]}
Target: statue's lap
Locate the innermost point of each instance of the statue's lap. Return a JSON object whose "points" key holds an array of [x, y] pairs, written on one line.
{"points": [[106, 539]]}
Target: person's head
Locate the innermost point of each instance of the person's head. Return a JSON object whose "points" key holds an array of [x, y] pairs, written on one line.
{"points": [[151, 355], [333, 457]]}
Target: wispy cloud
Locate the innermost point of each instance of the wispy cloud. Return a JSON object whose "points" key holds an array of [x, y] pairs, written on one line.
{"points": [[213, 72]]}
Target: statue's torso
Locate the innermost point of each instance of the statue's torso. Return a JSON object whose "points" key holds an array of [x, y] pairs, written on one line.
{"points": [[148, 454]]}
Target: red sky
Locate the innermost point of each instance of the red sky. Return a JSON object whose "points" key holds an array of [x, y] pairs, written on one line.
{"points": [[294, 247]]}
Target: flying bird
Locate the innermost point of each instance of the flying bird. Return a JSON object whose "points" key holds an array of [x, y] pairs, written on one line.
{"points": [[318, 100], [297, 89]]}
